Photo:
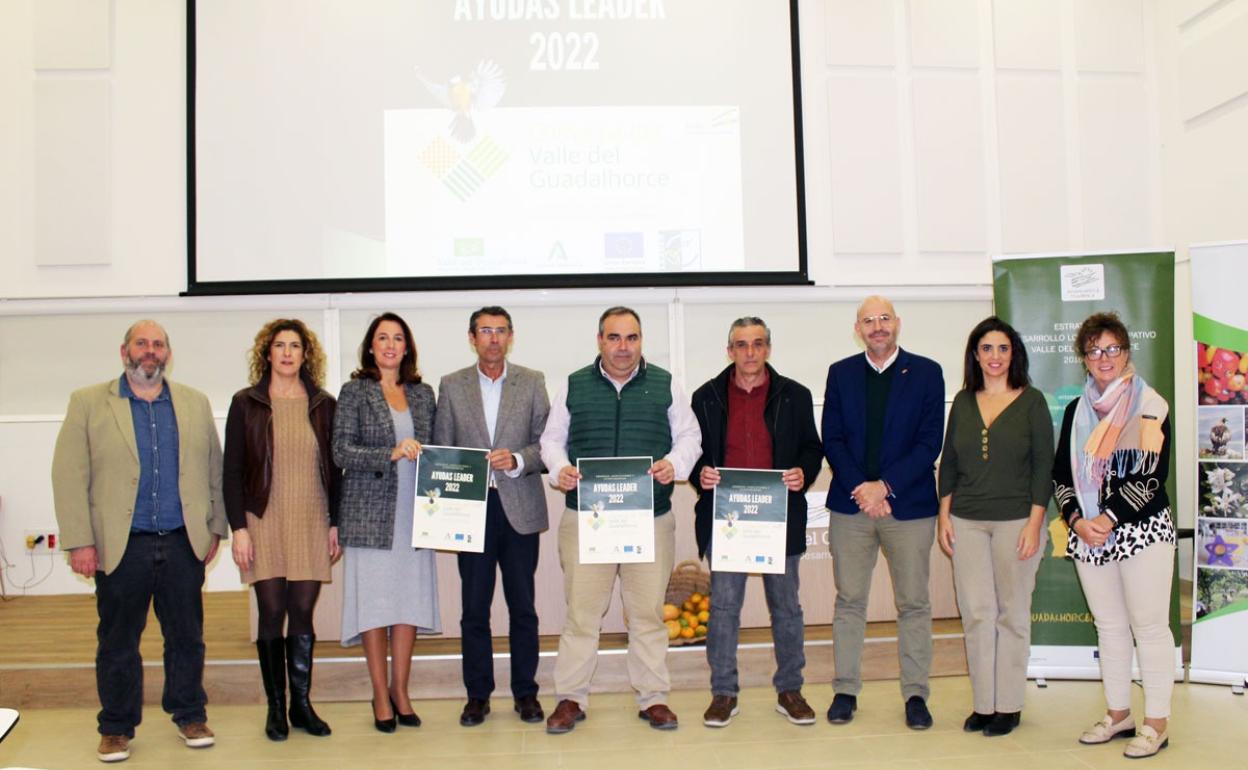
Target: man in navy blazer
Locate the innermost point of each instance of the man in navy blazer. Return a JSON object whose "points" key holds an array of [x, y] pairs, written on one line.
{"points": [[883, 413], [500, 406]]}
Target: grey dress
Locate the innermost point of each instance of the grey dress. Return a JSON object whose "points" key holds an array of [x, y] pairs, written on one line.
{"points": [[399, 585]]}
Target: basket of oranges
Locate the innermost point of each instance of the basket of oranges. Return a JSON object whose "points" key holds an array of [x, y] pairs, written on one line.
{"points": [[687, 611]]}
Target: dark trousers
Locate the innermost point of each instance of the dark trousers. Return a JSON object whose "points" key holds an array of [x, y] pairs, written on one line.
{"points": [[164, 569], [515, 555]]}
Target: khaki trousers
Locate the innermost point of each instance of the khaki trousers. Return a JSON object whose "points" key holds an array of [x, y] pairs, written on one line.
{"points": [[994, 598], [1132, 598], [857, 540], [588, 589]]}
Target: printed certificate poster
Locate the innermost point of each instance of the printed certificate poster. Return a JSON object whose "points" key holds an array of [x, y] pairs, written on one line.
{"points": [[750, 524], [615, 510], [452, 484]]}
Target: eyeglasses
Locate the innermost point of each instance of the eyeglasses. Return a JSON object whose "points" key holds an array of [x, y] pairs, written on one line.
{"points": [[1113, 351], [496, 331], [869, 320]]}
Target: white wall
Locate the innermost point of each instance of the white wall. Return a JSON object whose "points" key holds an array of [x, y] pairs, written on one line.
{"points": [[938, 132]]}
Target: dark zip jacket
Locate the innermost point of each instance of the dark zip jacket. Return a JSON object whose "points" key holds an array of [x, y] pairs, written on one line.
{"points": [[790, 418]]}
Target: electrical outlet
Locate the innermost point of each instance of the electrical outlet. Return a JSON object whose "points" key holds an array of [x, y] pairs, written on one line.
{"points": [[39, 541]]}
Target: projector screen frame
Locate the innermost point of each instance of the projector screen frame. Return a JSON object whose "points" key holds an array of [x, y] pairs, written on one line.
{"points": [[196, 287]]}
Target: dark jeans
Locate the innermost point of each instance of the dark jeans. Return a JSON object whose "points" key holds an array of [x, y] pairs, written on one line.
{"points": [[787, 629], [515, 555], [162, 568]]}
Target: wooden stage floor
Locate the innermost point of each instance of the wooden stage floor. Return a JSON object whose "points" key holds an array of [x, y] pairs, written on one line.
{"points": [[47, 652]]}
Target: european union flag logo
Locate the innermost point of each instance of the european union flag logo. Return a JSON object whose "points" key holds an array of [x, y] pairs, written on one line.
{"points": [[759, 559], [624, 249], [459, 536], [628, 549]]}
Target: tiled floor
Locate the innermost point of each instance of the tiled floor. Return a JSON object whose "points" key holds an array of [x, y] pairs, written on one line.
{"points": [[1207, 728]]}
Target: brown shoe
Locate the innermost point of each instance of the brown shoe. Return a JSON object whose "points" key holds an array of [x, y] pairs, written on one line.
{"points": [[659, 716], [113, 748], [795, 708], [197, 735], [566, 715], [721, 711]]}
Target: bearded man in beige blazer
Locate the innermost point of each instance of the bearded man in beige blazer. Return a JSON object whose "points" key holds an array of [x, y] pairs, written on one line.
{"points": [[136, 480]]}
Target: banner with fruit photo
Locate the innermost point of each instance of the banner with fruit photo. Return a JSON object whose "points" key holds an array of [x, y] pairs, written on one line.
{"points": [[1046, 298], [1220, 327]]}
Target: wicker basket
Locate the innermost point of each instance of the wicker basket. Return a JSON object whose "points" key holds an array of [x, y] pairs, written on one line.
{"points": [[687, 577]]}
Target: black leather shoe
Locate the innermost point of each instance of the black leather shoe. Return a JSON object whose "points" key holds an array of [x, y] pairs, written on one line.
{"points": [[474, 712], [842, 709], [407, 720], [384, 725], [917, 715], [976, 722], [1002, 723], [529, 709]]}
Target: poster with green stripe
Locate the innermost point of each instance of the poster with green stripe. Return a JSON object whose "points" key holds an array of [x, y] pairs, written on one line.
{"points": [[452, 488], [1046, 298], [1220, 326], [749, 528]]}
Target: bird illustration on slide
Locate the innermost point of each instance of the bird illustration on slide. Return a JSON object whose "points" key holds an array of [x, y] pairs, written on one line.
{"points": [[480, 91]]}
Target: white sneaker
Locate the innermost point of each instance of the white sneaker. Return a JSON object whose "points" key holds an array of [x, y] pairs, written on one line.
{"points": [[1146, 743], [1107, 729]]}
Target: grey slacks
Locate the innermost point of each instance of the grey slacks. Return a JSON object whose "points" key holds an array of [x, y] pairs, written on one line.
{"points": [[856, 540]]}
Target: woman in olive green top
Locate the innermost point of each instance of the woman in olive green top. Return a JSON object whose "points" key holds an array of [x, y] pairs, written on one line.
{"points": [[994, 486]]}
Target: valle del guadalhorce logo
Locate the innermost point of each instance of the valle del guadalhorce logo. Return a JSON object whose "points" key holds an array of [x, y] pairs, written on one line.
{"points": [[463, 160]]}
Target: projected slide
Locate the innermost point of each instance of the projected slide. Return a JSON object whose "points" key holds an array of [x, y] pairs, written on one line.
{"points": [[475, 138], [567, 191]]}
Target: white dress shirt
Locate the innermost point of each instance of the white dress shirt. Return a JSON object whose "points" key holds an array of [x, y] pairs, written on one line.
{"points": [[686, 435], [887, 362]]}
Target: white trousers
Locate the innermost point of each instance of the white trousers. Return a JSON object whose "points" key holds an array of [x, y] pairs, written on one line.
{"points": [[1132, 598]]}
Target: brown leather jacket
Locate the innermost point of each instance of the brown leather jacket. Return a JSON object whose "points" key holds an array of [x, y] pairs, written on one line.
{"points": [[248, 469]]}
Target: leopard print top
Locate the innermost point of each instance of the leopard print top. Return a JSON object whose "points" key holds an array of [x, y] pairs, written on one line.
{"points": [[1129, 539]]}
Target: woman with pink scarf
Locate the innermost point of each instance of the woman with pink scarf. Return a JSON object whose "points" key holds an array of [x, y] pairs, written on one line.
{"points": [[1109, 478]]}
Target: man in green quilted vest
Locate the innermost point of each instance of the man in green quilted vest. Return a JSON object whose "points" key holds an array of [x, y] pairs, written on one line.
{"points": [[618, 406]]}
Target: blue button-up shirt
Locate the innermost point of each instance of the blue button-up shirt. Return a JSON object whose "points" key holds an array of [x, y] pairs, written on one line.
{"points": [[158, 505]]}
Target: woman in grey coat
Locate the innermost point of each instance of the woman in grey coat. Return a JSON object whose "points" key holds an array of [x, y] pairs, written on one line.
{"points": [[390, 589]]}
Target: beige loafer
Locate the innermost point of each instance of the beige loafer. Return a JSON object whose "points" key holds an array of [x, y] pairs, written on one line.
{"points": [[1146, 743], [1107, 729]]}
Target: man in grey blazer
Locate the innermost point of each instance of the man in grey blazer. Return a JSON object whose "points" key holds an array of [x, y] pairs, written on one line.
{"points": [[136, 483], [500, 406]]}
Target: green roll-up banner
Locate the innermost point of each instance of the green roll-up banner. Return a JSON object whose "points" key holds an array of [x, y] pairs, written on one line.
{"points": [[1046, 298], [1220, 325]]}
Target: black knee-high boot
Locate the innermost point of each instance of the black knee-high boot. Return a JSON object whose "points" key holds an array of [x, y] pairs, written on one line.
{"points": [[299, 666], [272, 654]]}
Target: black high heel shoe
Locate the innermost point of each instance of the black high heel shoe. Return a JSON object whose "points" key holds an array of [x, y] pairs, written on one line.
{"points": [[407, 720], [384, 725]]}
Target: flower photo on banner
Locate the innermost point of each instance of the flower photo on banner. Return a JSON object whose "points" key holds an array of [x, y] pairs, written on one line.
{"points": [[1222, 543], [1224, 490]]}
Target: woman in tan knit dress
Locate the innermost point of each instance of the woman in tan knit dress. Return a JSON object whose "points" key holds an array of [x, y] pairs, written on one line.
{"points": [[281, 493]]}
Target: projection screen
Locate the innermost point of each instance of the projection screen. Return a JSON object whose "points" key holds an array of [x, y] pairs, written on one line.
{"points": [[437, 144]]}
